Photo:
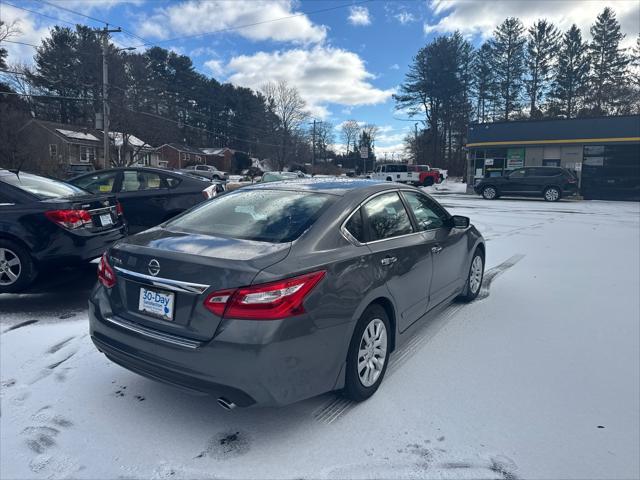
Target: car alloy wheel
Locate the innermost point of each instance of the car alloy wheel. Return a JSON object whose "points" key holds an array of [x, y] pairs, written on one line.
{"points": [[551, 194], [475, 274], [489, 193], [372, 352], [10, 267]]}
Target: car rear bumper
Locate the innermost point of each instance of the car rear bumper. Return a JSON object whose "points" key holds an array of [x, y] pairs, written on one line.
{"points": [[270, 363], [69, 247]]}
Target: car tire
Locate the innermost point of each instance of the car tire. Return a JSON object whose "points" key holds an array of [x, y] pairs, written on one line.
{"points": [[14, 258], [552, 194], [370, 342], [489, 192], [474, 278], [427, 182]]}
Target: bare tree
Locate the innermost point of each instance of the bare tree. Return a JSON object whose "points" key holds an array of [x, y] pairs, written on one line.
{"points": [[7, 30], [287, 104], [324, 137], [350, 130], [371, 130]]}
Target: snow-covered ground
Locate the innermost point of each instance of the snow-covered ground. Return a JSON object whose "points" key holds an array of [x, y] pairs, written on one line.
{"points": [[537, 379]]}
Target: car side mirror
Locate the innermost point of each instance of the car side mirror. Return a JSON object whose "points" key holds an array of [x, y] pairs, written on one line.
{"points": [[458, 221]]}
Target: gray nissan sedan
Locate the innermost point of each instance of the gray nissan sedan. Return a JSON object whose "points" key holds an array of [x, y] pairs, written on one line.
{"points": [[280, 291]]}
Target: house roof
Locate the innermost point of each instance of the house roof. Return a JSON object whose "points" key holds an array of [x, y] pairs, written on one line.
{"points": [[624, 128], [72, 133], [132, 140], [216, 151], [184, 148]]}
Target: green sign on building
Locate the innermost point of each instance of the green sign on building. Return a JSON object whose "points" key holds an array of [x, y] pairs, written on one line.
{"points": [[515, 158]]}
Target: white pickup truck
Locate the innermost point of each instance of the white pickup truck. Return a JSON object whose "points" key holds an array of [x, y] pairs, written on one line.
{"points": [[394, 172]]}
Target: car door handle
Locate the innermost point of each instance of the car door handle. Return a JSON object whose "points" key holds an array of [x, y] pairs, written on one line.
{"points": [[388, 260], [436, 249]]}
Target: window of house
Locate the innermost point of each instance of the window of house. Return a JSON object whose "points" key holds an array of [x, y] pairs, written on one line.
{"points": [[53, 151], [87, 154], [198, 159], [387, 217]]}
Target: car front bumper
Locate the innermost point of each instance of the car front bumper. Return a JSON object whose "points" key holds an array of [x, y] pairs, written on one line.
{"points": [[270, 363]]}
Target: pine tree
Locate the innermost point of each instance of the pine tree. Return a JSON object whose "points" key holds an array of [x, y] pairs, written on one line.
{"points": [[484, 83], [507, 61], [571, 76], [542, 46], [608, 64]]}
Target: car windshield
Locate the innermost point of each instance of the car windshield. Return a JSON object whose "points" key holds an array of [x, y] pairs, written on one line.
{"points": [[42, 187], [277, 176], [262, 215]]}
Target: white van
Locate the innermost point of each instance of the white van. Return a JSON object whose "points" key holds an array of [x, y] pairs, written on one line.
{"points": [[394, 172]]}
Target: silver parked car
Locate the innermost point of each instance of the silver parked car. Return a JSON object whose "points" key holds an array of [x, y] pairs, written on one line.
{"points": [[280, 291]]}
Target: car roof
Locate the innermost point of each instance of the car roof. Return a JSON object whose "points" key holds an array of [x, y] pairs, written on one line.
{"points": [[334, 186]]}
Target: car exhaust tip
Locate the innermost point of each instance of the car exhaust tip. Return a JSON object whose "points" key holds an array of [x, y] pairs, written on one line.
{"points": [[226, 404]]}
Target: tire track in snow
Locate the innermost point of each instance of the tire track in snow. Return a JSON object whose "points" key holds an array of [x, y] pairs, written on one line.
{"points": [[337, 406]]}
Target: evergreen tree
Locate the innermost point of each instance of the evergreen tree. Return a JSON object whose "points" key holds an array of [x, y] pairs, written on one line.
{"points": [[571, 76], [542, 46], [484, 83], [507, 61], [608, 64]]}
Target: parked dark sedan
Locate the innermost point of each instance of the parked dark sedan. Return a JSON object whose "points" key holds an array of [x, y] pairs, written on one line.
{"points": [[281, 291], [46, 222], [550, 183], [149, 196]]}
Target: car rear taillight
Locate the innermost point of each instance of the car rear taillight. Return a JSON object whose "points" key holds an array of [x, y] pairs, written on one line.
{"points": [[572, 180], [119, 209], [70, 219], [267, 301], [106, 275]]}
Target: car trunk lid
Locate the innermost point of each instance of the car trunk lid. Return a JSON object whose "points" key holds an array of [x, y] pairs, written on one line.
{"points": [[185, 267]]}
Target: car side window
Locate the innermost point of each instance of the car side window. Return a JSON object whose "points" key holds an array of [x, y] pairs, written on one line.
{"points": [[172, 182], [428, 214], [5, 199], [135, 181], [355, 226], [387, 217], [518, 173], [98, 182]]}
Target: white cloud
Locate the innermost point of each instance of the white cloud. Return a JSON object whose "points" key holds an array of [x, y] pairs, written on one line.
{"points": [[216, 67], [84, 6], [359, 16], [194, 17], [323, 75], [405, 17], [481, 18], [32, 31], [395, 66]]}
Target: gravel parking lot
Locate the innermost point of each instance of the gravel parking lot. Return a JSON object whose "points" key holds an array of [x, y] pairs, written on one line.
{"points": [[538, 378]]}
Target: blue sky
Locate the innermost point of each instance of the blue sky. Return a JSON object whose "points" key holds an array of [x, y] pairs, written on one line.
{"points": [[347, 61]]}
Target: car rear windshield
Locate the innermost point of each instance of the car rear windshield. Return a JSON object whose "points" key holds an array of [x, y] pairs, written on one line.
{"points": [[274, 216], [42, 187]]}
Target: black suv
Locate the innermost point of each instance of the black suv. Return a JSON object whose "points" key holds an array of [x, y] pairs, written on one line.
{"points": [[550, 183]]}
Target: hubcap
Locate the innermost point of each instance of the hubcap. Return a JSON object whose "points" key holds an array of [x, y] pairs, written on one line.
{"points": [[489, 193], [552, 194], [372, 352], [10, 267], [475, 276]]}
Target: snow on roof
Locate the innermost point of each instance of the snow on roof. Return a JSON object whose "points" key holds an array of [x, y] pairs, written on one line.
{"points": [[214, 151], [77, 135], [132, 140]]}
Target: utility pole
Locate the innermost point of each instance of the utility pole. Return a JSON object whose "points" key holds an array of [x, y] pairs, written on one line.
{"points": [[105, 92], [415, 126], [313, 158]]}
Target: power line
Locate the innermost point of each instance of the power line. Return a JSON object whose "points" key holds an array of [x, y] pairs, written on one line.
{"points": [[106, 22], [40, 13], [237, 27], [21, 43]]}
